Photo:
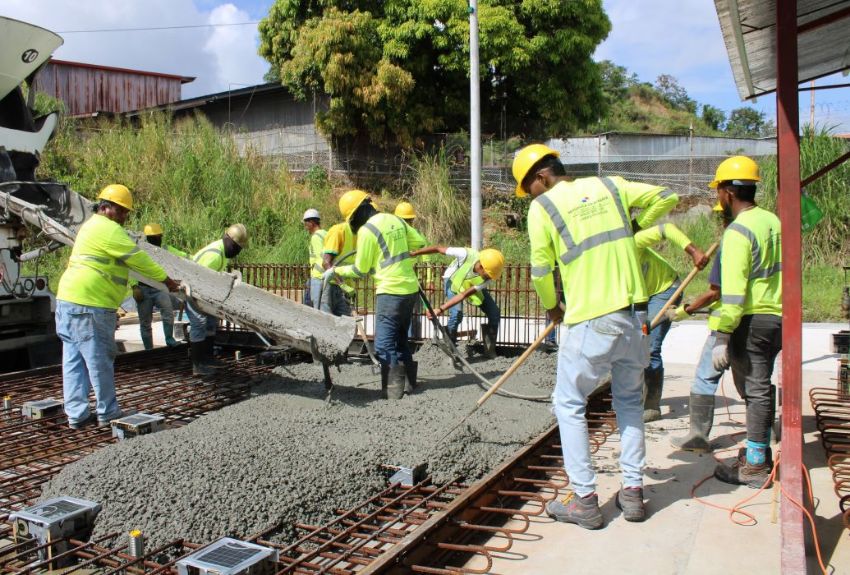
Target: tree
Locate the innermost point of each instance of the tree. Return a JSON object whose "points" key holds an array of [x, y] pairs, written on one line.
{"points": [[713, 117], [670, 89], [395, 69], [748, 123]]}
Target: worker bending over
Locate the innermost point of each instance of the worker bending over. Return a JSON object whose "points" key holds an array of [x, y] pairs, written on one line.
{"points": [[384, 243], [749, 329], [706, 378], [467, 278], [662, 281], [339, 247], [202, 327], [90, 291], [583, 229], [149, 297], [313, 224]]}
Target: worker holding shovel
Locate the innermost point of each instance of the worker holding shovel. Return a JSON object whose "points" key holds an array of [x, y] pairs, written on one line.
{"points": [[467, 278]]}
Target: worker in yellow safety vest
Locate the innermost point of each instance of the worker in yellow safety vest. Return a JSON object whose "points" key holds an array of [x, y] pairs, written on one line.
{"points": [[147, 297], [406, 211], [202, 328], [749, 330], [384, 243], [706, 377], [583, 229], [90, 291], [662, 281], [338, 295], [313, 224], [468, 278]]}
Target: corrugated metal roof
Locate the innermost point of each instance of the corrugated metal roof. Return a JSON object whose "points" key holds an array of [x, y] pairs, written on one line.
{"points": [[749, 31]]}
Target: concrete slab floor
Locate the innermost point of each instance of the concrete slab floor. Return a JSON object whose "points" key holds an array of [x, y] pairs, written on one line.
{"points": [[683, 535]]}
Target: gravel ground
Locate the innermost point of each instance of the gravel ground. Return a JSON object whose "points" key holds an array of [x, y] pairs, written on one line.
{"points": [[294, 453]]}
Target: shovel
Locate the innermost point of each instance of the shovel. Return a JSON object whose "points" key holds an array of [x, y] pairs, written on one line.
{"points": [[659, 317], [505, 376]]}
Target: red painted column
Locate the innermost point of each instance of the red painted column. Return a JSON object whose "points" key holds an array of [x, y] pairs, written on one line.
{"points": [[788, 163]]}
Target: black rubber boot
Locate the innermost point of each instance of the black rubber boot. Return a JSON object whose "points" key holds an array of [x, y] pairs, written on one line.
{"points": [[411, 369], [701, 409], [197, 350], [654, 383], [209, 353], [395, 381], [385, 373], [488, 335]]}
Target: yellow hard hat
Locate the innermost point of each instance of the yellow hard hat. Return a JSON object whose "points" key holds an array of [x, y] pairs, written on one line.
{"points": [[405, 211], [738, 168], [350, 201], [239, 234], [493, 262], [153, 230], [525, 159], [717, 207], [117, 194]]}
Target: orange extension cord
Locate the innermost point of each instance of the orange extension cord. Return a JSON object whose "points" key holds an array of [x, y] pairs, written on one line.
{"points": [[749, 518]]}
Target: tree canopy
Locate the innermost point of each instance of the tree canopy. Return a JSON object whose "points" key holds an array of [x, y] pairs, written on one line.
{"points": [[397, 69]]}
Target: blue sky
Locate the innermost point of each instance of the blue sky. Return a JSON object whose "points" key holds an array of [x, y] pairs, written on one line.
{"points": [[649, 37]]}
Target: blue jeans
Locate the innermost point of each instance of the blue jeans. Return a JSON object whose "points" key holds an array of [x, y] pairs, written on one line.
{"points": [[589, 351], [314, 288], [201, 326], [706, 377], [88, 356], [153, 298], [333, 300], [392, 320], [488, 306], [657, 335]]}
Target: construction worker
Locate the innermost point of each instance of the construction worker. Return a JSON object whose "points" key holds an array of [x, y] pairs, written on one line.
{"points": [[313, 224], [749, 329], [384, 243], [338, 249], [706, 378], [583, 228], [661, 281], [467, 278], [202, 328], [405, 211], [90, 291], [147, 297]]}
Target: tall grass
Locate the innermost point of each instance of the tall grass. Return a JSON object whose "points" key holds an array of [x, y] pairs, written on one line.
{"points": [[442, 214], [193, 181], [828, 242]]}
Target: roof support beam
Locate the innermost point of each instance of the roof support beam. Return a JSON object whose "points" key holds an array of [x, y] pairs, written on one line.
{"points": [[824, 20], [826, 169], [788, 164]]}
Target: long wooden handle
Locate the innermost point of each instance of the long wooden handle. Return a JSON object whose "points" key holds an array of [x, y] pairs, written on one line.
{"points": [[515, 366], [660, 315]]}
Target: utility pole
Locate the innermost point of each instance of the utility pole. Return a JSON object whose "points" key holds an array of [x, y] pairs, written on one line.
{"points": [[474, 129]]}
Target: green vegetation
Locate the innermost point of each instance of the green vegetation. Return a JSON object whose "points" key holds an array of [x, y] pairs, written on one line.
{"points": [[398, 69], [442, 214]]}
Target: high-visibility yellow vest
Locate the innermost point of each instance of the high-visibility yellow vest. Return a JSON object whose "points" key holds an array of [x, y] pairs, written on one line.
{"points": [[750, 268], [101, 259], [341, 241], [464, 278], [714, 315], [658, 274], [317, 242], [176, 251], [212, 256], [383, 249], [583, 227]]}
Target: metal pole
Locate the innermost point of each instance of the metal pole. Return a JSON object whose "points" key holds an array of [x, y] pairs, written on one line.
{"points": [[788, 167], [474, 128]]}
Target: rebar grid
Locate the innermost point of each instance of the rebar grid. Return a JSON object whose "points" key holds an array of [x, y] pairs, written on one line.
{"points": [[832, 414]]}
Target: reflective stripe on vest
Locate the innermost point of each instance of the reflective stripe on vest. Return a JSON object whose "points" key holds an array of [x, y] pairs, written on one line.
{"points": [[388, 259], [573, 250], [461, 275], [758, 271], [81, 260]]}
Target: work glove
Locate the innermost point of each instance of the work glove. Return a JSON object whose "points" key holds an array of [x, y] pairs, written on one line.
{"points": [[138, 295], [677, 314], [720, 351]]}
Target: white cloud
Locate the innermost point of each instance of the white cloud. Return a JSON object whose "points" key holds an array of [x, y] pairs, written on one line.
{"points": [[217, 57]]}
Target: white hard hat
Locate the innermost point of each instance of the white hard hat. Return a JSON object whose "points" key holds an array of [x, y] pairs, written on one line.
{"points": [[311, 214]]}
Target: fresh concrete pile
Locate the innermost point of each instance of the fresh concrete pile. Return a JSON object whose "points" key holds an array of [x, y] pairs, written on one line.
{"points": [[291, 453]]}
